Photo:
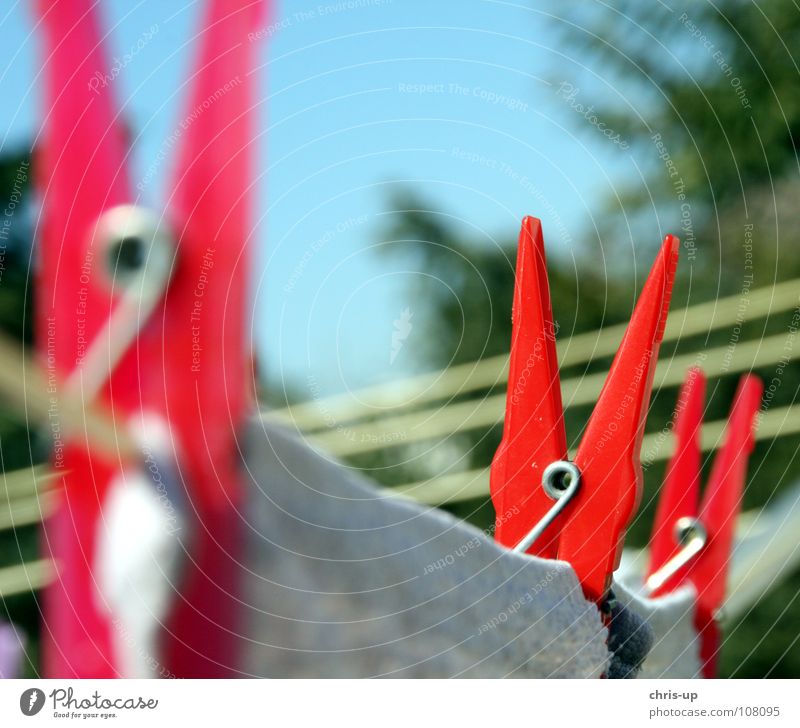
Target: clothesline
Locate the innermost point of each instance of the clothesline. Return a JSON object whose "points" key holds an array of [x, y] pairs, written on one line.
{"points": [[461, 379]]}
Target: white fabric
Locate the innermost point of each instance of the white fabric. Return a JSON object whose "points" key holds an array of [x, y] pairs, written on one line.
{"points": [[139, 555]]}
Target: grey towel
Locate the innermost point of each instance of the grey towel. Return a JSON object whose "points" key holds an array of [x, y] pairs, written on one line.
{"points": [[345, 580]]}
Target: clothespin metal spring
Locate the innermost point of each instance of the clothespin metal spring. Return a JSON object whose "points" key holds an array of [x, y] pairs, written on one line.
{"points": [[138, 261], [691, 534], [560, 480]]}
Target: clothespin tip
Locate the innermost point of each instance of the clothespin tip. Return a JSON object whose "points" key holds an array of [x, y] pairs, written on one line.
{"points": [[669, 255]]}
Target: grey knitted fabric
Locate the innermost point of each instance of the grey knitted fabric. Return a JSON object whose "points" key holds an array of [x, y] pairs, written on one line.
{"points": [[344, 580]]}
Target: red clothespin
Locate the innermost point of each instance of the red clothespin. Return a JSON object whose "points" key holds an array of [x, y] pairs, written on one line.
{"points": [[546, 505], [692, 539], [145, 313]]}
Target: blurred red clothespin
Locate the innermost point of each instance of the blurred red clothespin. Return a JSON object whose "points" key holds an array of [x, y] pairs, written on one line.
{"points": [[547, 505], [692, 539], [145, 313]]}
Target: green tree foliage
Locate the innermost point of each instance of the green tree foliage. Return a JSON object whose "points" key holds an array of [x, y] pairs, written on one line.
{"points": [[15, 245], [15, 322], [705, 93]]}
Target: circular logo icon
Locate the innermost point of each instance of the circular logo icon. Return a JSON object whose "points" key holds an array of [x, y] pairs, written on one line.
{"points": [[31, 701]]}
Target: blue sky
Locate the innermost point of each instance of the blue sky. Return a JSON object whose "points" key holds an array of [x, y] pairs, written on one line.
{"points": [[453, 99]]}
